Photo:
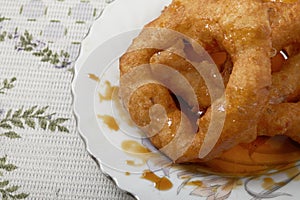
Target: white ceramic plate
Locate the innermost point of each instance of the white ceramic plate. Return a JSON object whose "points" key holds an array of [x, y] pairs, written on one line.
{"points": [[119, 147]]}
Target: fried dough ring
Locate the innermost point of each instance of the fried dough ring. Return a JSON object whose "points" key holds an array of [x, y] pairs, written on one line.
{"points": [[281, 119], [244, 31], [282, 114], [285, 24], [285, 83], [195, 79]]}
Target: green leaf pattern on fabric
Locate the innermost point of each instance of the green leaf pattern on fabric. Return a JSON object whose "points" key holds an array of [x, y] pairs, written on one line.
{"points": [[26, 42], [19, 37], [19, 119], [33, 116], [8, 191], [7, 84], [22, 118]]}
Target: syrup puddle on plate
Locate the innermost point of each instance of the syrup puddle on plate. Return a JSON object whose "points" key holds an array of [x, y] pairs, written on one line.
{"points": [[108, 95], [109, 91], [127, 173], [269, 183], [194, 183], [109, 121], [161, 183], [132, 146], [94, 77]]}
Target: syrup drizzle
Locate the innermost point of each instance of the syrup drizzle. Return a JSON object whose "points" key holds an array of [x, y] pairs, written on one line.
{"points": [[109, 121], [161, 183]]}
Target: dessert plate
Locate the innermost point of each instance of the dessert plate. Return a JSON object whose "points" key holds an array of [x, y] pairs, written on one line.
{"points": [[121, 149]]}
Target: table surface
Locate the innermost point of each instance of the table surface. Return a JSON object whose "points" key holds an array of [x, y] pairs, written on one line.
{"points": [[41, 153]]}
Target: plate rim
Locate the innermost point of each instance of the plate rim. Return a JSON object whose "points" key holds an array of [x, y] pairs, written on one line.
{"points": [[79, 62], [104, 169]]}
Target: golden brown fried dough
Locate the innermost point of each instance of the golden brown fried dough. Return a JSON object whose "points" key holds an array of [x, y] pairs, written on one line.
{"points": [[285, 23], [281, 119], [240, 28], [285, 83]]}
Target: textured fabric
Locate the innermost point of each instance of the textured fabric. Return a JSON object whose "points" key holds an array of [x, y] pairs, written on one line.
{"points": [[41, 153]]}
